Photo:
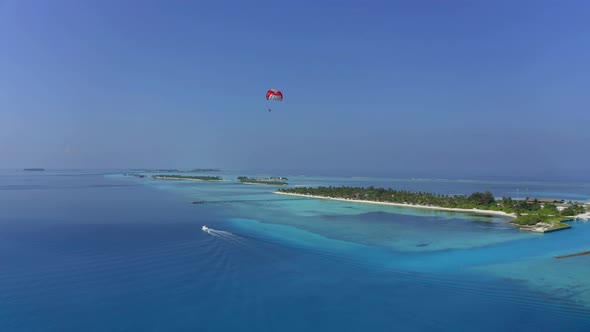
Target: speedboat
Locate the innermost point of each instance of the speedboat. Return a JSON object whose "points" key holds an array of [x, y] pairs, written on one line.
{"points": [[205, 229]]}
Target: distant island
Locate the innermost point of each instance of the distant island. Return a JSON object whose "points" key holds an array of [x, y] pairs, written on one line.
{"points": [[187, 177], [34, 169], [135, 175], [194, 170], [273, 180], [529, 214], [204, 170]]}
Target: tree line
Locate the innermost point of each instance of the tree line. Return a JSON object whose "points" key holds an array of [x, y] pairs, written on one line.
{"points": [[478, 200]]}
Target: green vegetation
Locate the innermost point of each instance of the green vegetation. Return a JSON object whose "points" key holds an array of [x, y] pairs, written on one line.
{"points": [[187, 177], [263, 180], [528, 212], [476, 200], [530, 219], [547, 213], [551, 221], [194, 170]]}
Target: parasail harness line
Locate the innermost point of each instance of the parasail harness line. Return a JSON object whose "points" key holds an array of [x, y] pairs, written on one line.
{"points": [[274, 94]]}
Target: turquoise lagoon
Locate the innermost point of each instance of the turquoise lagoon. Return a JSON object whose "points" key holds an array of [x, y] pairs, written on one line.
{"points": [[98, 251]]}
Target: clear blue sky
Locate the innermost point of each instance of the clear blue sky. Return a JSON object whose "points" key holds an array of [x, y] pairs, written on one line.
{"points": [[400, 87]]}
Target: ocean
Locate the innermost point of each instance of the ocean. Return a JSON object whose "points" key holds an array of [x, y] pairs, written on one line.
{"points": [[95, 250]]}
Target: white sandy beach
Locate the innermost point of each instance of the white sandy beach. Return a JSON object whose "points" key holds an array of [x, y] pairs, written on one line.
{"points": [[264, 184], [488, 212], [175, 178]]}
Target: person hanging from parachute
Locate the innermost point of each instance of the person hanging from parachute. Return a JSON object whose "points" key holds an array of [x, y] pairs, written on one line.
{"points": [[274, 94]]}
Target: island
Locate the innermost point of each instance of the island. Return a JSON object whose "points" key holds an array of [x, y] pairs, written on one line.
{"points": [[273, 180], [194, 170], [34, 169], [135, 175], [187, 177], [528, 214], [204, 170]]}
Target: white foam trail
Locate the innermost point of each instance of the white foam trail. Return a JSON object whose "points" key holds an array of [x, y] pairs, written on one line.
{"points": [[231, 237], [227, 236]]}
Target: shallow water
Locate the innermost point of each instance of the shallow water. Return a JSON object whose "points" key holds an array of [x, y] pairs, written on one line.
{"points": [[89, 251]]}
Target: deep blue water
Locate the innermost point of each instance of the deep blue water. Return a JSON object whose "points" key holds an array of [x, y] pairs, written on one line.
{"points": [[86, 251]]}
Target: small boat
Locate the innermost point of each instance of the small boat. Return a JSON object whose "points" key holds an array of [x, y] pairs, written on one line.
{"points": [[205, 229]]}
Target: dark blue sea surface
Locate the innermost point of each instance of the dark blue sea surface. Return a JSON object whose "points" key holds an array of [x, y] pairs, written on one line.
{"points": [[94, 251]]}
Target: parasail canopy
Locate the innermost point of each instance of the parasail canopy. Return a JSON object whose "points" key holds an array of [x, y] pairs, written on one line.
{"points": [[274, 94]]}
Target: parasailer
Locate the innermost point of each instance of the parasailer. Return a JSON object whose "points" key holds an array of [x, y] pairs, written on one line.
{"points": [[274, 94]]}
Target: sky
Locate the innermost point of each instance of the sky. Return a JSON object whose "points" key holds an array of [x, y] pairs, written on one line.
{"points": [[396, 88]]}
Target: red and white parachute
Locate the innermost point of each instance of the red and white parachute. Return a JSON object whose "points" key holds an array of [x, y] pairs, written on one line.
{"points": [[274, 94]]}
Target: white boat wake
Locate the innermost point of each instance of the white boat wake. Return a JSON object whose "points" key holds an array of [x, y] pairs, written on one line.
{"points": [[226, 236]]}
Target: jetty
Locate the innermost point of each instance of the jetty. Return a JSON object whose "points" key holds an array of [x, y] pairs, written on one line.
{"points": [[581, 253], [543, 227], [582, 216]]}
